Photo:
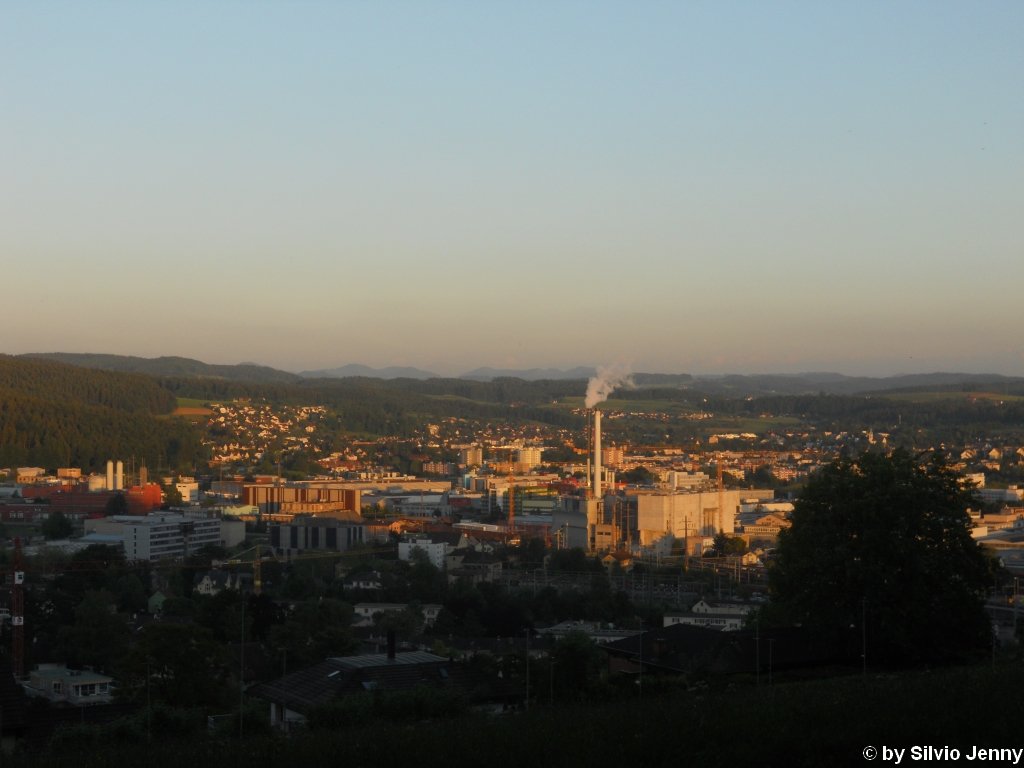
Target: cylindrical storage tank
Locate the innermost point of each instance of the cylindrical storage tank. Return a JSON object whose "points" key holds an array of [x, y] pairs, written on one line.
{"points": [[119, 476], [110, 475], [97, 483]]}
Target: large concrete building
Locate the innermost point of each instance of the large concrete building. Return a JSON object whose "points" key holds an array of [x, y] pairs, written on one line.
{"points": [[436, 550], [471, 456], [160, 535], [307, 532], [272, 498], [529, 457], [695, 514]]}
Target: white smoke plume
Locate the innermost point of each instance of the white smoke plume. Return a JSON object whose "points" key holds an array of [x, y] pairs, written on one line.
{"points": [[606, 381]]}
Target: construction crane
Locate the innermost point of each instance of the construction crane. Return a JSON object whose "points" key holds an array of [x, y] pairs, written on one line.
{"points": [[721, 494], [256, 562], [511, 504]]}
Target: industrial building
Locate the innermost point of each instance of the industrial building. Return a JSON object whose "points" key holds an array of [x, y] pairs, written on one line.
{"points": [[164, 535], [270, 499], [305, 533], [690, 514]]}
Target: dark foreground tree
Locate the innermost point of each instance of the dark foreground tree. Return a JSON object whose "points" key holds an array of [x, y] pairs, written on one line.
{"points": [[880, 557], [57, 526]]}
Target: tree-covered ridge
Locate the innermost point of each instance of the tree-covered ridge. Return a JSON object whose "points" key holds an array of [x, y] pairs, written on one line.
{"points": [[53, 433], [61, 383], [167, 366], [52, 414]]}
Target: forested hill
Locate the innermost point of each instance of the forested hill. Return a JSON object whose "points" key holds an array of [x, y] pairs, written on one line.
{"points": [[53, 414], [60, 383], [169, 366]]}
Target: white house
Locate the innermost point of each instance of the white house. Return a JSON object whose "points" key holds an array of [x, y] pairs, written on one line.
{"points": [[60, 684]]}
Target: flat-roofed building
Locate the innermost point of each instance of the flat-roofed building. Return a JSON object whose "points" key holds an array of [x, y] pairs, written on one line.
{"points": [[691, 514], [307, 532], [271, 498], [160, 535], [57, 683]]}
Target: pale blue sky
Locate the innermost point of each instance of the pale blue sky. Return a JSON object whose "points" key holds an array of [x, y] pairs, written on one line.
{"points": [[677, 186]]}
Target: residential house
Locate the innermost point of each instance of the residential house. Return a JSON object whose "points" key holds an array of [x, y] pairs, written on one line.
{"points": [[57, 683], [721, 616], [435, 546], [472, 567], [293, 697], [366, 611], [214, 582], [367, 580]]}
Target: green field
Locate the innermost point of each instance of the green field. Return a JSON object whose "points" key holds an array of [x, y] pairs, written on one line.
{"points": [[636, 406], [460, 399], [933, 397], [192, 402], [745, 424]]}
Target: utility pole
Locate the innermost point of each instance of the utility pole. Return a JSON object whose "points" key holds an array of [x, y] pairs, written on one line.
{"points": [[640, 679], [864, 635], [757, 644], [149, 706], [527, 633], [241, 676]]}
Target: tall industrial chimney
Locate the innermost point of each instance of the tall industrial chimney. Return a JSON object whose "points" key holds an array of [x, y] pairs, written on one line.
{"points": [[110, 475], [596, 485], [119, 476]]}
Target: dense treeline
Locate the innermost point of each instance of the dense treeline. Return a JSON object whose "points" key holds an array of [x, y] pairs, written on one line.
{"points": [[53, 433], [52, 414], [58, 382], [167, 366]]}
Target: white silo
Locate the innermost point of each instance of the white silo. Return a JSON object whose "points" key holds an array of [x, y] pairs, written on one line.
{"points": [[110, 475], [119, 476]]}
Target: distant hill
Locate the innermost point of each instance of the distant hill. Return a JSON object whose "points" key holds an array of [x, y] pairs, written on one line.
{"points": [[753, 385], [528, 374], [727, 385], [170, 366], [355, 369], [662, 379], [54, 414]]}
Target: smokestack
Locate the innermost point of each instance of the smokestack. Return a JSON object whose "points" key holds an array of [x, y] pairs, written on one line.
{"points": [[110, 475], [119, 476], [597, 454]]}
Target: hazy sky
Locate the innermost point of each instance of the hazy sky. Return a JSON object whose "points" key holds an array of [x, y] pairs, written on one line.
{"points": [[674, 186]]}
